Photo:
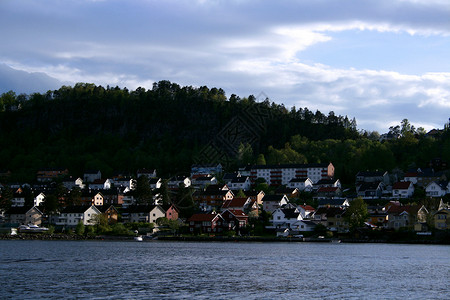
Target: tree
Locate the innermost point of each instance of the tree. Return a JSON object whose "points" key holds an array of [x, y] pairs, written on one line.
{"points": [[79, 230], [143, 191], [261, 160], [5, 199], [356, 214], [240, 194]]}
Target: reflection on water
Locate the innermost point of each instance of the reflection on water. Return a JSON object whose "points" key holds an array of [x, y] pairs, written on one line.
{"points": [[177, 270]]}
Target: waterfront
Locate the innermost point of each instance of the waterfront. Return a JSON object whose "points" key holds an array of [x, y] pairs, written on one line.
{"points": [[175, 270]]}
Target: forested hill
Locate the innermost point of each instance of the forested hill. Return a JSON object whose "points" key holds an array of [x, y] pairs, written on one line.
{"points": [[168, 128]]}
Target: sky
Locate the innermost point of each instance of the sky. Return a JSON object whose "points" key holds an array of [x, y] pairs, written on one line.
{"points": [[379, 61]]}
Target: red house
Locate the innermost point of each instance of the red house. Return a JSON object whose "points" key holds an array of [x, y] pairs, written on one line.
{"points": [[206, 223]]}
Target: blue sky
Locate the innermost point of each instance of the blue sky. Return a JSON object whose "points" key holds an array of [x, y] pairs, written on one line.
{"points": [[379, 61]]}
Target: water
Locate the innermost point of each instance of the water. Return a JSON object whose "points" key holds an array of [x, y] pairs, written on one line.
{"points": [[179, 270]]}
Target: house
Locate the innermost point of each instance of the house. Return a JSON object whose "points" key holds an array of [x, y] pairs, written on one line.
{"points": [[291, 193], [378, 218], [235, 203], [211, 198], [442, 219], [110, 212], [128, 199], [49, 174], [172, 213], [301, 183], [437, 188], [398, 216], [112, 196], [70, 183], [24, 215], [427, 176], [155, 183], [306, 210], [142, 213], [421, 216], [272, 202], [205, 169], [123, 182], [328, 192], [331, 217], [370, 190], [18, 199], [92, 197], [328, 182], [283, 174], [177, 181], [100, 184], [256, 196], [92, 175], [39, 199], [234, 219], [402, 189], [285, 217], [72, 215], [203, 181], [334, 202], [149, 173], [206, 223], [411, 176], [372, 176], [240, 183], [228, 177]]}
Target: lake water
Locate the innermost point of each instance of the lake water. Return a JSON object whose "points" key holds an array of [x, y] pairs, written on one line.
{"points": [[221, 270]]}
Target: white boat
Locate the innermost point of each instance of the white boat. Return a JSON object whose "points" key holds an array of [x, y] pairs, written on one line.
{"points": [[32, 228], [138, 238]]}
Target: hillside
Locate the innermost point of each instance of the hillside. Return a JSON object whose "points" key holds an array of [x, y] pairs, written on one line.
{"points": [[170, 127]]}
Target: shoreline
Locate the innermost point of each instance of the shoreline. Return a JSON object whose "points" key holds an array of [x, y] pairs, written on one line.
{"points": [[74, 237]]}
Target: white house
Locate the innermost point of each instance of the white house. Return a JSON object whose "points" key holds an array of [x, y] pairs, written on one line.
{"points": [[286, 217], [123, 182], [39, 199], [272, 202], [72, 215], [437, 188], [143, 213], [301, 183], [155, 183], [18, 199], [175, 182], [70, 183], [204, 181], [402, 189], [100, 184], [240, 183], [282, 174]]}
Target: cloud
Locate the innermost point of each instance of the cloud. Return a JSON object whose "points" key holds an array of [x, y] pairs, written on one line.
{"points": [[243, 46]]}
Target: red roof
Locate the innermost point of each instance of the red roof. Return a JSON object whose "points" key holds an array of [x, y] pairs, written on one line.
{"points": [[202, 217], [411, 174], [235, 202], [402, 185], [307, 207]]}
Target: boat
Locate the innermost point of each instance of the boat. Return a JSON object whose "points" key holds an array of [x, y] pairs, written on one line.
{"points": [[335, 241], [31, 228], [138, 238]]}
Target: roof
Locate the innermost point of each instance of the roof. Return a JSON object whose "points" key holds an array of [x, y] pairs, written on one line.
{"points": [[202, 217], [330, 211], [366, 186], [285, 190], [76, 209], [240, 179], [332, 202], [235, 202], [327, 189], [239, 214], [290, 213], [20, 210], [291, 166], [402, 185], [371, 173], [299, 179], [276, 198], [307, 207]]}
